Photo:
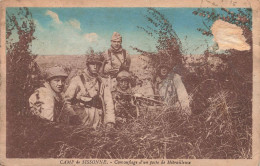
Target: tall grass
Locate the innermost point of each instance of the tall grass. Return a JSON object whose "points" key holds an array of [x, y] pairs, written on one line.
{"points": [[155, 134]]}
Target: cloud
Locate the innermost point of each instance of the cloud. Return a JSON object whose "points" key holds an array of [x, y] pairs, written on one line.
{"points": [[54, 16], [75, 23], [229, 36], [64, 39], [91, 37]]}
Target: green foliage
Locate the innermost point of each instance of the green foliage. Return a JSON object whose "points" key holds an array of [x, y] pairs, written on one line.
{"points": [[23, 73], [169, 47]]}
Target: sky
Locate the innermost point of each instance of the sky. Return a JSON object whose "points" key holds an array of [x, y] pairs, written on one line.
{"points": [[72, 31]]}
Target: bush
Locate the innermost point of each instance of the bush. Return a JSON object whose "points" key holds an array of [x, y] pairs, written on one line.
{"points": [[23, 73]]}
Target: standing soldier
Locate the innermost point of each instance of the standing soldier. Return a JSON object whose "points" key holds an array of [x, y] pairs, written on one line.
{"points": [[125, 108], [116, 59], [46, 102], [88, 97], [171, 89]]}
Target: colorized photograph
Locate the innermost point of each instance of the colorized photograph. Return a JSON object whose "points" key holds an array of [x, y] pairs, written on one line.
{"points": [[129, 83]]}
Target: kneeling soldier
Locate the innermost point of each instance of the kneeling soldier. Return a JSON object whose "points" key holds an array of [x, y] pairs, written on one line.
{"points": [[125, 108], [88, 96]]}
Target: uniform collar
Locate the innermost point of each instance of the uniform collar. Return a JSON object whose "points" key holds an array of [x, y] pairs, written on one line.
{"points": [[116, 51]]}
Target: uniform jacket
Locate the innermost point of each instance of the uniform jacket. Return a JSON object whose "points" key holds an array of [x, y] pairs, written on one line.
{"points": [[172, 90], [116, 60], [124, 97], [124, 104], [76, 92], [46, 103]]}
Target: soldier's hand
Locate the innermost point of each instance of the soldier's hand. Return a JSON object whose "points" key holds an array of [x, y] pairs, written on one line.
{"points": [[37, 113], [110, 126]]}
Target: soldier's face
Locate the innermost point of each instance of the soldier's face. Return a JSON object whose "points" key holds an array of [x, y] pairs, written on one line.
{"points": [[116, 44], [57, 84], [123, 84], [93, 68], [164, 71]]}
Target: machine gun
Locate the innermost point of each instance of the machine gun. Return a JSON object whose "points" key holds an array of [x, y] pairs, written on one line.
{"points": [[126, 100], [140, 99], [147, 100]]}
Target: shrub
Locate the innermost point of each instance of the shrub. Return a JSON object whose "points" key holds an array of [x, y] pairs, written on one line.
{"points": [[23, 73]]}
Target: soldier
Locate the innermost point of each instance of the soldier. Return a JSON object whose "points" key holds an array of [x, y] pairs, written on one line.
{"points": [[125, 108], [88, 96], [116, 60], [116, 57], [46, 102], [171, 89]]}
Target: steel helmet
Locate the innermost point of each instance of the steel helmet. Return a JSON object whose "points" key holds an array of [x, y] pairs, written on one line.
{"points": [[94, 58], [56, 71], [123, 75]]}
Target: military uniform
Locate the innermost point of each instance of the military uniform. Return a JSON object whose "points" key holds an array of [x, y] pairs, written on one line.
{"points": [[125, 106], [90, 99], [172, 91], [45, 102], [116, 61]]}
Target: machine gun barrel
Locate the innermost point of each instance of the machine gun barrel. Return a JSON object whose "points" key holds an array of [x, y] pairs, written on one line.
{"points": [[141, 97], [150, 99]]}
